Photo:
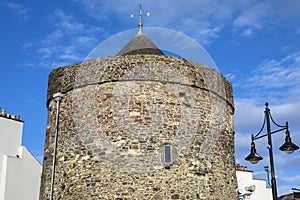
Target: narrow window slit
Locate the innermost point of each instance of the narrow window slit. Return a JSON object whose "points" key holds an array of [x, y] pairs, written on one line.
{"points": [[168, 153]]}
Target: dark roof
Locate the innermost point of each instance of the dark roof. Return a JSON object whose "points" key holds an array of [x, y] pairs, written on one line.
{"points": [[140, 44]]}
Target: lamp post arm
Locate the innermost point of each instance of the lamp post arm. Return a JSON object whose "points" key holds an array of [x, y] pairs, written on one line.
{"points": [[256, 138], [262, 128], [282, 126]]}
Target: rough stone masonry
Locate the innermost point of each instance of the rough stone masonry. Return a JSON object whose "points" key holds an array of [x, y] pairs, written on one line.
{"points": [[144, 127]]}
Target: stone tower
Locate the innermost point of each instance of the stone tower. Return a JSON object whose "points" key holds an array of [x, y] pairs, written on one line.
{"points": [[140, 125]]}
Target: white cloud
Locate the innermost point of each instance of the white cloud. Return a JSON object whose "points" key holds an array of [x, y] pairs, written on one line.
{"points": [[248, 115], [203, 20], [247, 32], [230, 76], [18, 9], [68, 42], [292, 179], [68, 23], [251, 19], [274, 80], [254, 16]]}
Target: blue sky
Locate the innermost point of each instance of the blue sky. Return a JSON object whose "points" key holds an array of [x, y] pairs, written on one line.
{"points": [[255, 44]]}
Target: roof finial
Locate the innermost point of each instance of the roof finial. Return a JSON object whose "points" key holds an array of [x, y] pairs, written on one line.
{"points": [[140, 24], [141, 17]]}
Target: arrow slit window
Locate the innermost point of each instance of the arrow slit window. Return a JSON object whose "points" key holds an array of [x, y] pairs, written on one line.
{"points": [[168, 153]]}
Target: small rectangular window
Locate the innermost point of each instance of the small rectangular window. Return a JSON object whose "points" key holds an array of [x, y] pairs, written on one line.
{"points": [[168, 153]]}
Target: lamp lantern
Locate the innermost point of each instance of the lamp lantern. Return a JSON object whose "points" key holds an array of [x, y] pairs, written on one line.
{"points": [[288, 146], [253, 157]]}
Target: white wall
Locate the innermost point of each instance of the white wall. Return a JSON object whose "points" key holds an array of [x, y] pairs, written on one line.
{"points": [[22, 177], [10, 137], [20, 172], [261, 192]]}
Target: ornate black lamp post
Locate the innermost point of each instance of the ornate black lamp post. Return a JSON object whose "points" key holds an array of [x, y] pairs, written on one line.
{"points": [[288, 146]]}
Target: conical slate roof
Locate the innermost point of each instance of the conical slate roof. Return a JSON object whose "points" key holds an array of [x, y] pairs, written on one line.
{"points": [[140, 44]]}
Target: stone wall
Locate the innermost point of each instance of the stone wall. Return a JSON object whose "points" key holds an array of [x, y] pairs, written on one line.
{"points": [[116, 117]]}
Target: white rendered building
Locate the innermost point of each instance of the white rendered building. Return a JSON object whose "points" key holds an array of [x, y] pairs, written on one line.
{"points": [[249, 188], [20, 172]]}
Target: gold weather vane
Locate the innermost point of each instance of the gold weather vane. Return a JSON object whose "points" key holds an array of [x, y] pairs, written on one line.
{"points": [[140, 24]]}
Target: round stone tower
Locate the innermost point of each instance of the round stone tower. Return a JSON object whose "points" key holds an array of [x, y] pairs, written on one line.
{"points": [[140, 125]]}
